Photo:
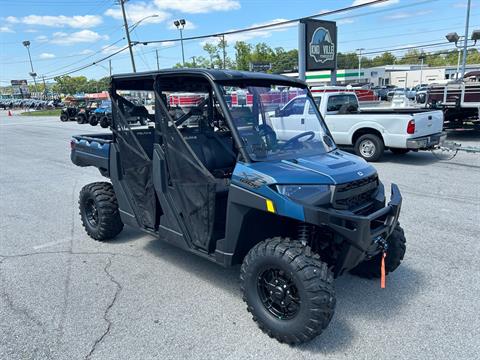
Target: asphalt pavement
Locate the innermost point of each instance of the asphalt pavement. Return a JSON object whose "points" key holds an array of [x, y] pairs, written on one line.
{"points": [[65, 296]]}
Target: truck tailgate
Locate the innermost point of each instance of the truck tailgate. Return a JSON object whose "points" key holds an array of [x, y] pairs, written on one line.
{"points": [[92, 150], [428, 123]]}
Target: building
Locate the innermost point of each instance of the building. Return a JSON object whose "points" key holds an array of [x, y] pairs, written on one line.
{"points": [[397, 75]]}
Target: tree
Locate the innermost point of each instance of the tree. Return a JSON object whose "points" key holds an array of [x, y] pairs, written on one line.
{"points": [[284, 61], [243, 53]]}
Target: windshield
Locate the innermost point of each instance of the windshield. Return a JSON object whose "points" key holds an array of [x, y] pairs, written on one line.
{"points": [[277, 122]]}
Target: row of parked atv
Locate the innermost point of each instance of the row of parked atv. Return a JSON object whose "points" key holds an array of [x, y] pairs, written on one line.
{"points": [[92, 112]]}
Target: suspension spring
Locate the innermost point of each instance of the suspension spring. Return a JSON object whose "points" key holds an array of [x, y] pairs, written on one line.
{"points": [[304, 233]]}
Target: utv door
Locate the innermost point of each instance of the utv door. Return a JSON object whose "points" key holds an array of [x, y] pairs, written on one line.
{"points": [[187, 191], [133, 168]]}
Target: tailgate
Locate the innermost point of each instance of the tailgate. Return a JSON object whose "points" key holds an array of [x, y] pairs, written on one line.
{"points": [[428, 123]]}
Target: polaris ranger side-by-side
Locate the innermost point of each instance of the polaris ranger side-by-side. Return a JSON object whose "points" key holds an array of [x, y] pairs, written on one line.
{"points": [[214, 178]]}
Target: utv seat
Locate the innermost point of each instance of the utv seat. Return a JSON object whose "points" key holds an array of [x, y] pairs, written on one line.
{"points": [[214, 152]]}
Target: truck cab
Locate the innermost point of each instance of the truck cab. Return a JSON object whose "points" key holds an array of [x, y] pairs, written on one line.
{"points": [[218, 179]]}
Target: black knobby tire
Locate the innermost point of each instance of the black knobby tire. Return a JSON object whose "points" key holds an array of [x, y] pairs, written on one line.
{"points": [[370, 147], [312, 289], [398, 151], [395, 253], [63, 118], [99, 211], [93, 120], [104, 122], [81, 119]]}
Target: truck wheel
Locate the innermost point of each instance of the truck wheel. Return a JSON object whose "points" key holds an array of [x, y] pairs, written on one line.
{"points": [[63, 118], [395, 253], [370, 147], [99, 211], [104, 123], [93, 120], [398, 151], [288, 290]]}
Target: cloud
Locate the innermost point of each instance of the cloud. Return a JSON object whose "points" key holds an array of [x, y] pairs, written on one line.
{"points": [[261, 33], [198, 6], [46, 56], [386, 3], [83, 36], [41, 39], [77, 21], [405, 15], [167, 44], [31, 31], [6, 29], [345, 21], [138, 11], [86, 52], [12, 20]]}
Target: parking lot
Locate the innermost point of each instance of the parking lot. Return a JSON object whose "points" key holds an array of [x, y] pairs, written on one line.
{"points": [[65, 296]]}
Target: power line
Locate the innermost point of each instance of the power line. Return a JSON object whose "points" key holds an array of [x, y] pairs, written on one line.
{"points": [[266, 26], [230, 32]]}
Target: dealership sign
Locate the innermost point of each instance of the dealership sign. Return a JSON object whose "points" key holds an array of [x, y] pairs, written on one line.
{"points": [[20, 87], [320, 44]]}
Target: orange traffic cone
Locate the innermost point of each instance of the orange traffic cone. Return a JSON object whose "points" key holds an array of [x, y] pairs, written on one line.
{"points": [[10, 113]]}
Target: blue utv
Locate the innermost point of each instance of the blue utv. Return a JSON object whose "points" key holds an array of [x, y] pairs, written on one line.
{"points": [[227, 181]]}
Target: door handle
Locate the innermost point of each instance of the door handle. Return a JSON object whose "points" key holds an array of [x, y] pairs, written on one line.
{"points": [[302, 121]]}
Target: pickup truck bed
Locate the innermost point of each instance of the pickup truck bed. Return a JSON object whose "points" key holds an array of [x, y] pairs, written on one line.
{"points": [[92, 150]]}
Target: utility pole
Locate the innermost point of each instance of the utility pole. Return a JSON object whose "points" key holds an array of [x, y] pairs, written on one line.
{"points": [[33, 74], [465, 40], [359, 62], [158, 63], [44, 88], [122, 4], [110, 66], [224, 51], [458, 65]]}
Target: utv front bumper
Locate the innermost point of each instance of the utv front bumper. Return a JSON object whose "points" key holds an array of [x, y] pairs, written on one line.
{"points": [[362, 234]]}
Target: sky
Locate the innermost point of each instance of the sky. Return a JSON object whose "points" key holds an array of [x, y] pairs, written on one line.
{"points": [[66, 34]]}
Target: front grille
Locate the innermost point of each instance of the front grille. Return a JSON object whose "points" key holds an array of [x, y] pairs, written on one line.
{"points": [[355, 194]]}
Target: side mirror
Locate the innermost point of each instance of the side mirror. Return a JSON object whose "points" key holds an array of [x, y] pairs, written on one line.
{"points": [[278, 112]]}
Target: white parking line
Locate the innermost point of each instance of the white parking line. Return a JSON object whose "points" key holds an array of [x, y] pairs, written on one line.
{"points": [[51, 243]]}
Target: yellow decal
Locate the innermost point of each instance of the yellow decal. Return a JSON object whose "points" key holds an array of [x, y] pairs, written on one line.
{"points": [[270, 207]]}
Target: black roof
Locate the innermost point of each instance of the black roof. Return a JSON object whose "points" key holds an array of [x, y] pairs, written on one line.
{"points": [[213, 74]]}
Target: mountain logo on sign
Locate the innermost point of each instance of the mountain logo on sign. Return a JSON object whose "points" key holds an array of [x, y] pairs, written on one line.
{"points": [[322, 48]]}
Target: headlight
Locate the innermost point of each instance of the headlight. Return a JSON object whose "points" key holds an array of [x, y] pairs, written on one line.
{"points": [[309, 194]]}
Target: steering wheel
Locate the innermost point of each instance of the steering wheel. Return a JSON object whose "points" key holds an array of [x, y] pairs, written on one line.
{"points": [[270, 136], [295, 139]]}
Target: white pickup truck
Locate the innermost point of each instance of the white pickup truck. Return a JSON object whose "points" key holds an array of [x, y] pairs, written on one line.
{"points": [[370, 131]]}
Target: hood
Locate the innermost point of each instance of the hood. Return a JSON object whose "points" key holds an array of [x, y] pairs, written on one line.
{"points": [[336, 167]]}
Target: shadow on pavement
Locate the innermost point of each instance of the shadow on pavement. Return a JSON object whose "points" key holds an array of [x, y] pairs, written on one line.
{"points": [[465, 135], [357, 299]]}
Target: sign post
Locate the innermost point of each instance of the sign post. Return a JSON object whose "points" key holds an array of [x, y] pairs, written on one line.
{"points": [[317, 47]]}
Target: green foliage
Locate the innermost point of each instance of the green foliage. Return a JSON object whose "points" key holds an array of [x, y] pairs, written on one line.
{"points": [[69, 85], [49, 112]]}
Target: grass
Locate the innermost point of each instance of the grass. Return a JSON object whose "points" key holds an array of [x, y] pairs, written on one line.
{"points": [[50, 112]]}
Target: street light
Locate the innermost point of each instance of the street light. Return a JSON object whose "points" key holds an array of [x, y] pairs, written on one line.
{"points": [[455, 38], [359, 62], [33, 74], [421, 57], [461, 42], [132, 27], [180, 24]]}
